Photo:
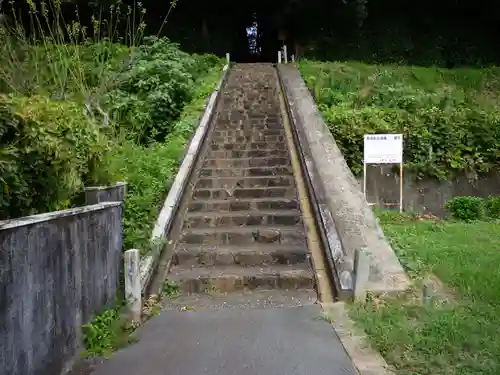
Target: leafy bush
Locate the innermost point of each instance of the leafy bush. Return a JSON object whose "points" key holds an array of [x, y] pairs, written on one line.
{"points": [[106, 333], [150, 170], [466, 208], [450, 119], [155, 88], [493, 207], [48, 149]]}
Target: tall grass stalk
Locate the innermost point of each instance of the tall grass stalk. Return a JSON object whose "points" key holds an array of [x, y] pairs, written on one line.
{"points": [[50, 55]]}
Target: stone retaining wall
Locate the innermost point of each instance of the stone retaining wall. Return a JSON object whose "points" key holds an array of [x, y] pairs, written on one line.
{"points": [[427, 195]]}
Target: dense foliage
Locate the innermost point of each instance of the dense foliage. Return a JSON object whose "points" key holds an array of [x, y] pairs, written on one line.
{"points": [[50, 148], [467, 208], [47, 150], [86, 111], [150, 170], [152, 90], [450, 118]]}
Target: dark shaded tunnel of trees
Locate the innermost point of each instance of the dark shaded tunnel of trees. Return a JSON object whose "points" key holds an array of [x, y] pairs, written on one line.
{"points": [[428, 32]]}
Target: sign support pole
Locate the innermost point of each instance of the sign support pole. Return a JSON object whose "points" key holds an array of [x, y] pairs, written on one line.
{"points": [[401, 187], [364, 179], [384, 149]]}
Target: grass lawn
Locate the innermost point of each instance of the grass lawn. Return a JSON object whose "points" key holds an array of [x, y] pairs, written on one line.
{"points": [[458, 337]]}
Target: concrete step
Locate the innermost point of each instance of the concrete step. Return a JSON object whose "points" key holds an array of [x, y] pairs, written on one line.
{"points": [[244, 182], [233, 154], [250, 146], [246, 162], [249, 125], [245, 193], [250, 132], [242, 229], [247, 172], [292, 236], [248, 139], [226, 279], [242, 218], [245, 256], [256, 299], [234, 205]]}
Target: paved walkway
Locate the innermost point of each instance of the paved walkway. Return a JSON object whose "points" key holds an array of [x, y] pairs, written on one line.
{"points": [[274, 341]]}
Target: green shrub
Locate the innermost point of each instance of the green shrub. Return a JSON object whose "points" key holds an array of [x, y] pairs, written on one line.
{"points": [[466, 208], [153, 90], [493, 207], [150, 170], [449, 124], [48, 149], [106, 333]]}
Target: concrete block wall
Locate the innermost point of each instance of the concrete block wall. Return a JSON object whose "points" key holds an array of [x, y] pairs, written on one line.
{"points": [[56, 271], [427, 195]]}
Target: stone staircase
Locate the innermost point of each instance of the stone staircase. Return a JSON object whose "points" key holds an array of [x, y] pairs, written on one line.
{"points": [[242, 238]]}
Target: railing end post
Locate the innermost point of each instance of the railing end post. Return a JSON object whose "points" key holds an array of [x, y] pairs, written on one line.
{"points": [[361, 274], [132, 260]]}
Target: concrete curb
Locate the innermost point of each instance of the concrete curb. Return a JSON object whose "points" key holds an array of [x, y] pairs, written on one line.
{"points": [[167, 213], [366, 360], [47, 216], [346, 220]]}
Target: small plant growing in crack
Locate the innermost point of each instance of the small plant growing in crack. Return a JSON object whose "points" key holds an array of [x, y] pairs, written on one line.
{"points": [[107, 332], [212, 290], [327, 317], [152, 306], [170, 289]]}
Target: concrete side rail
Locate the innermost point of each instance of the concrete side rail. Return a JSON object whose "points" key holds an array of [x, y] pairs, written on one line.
{"points": [[347, 221]]}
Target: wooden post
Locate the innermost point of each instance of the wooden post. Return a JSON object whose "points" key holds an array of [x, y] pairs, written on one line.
{"points": [[361, 274], [279, 57], [228, 58], [133, 283], [293, 58], [285, 53]]}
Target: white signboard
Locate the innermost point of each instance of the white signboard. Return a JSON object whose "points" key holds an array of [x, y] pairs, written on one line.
{"points": [[383, 149]]}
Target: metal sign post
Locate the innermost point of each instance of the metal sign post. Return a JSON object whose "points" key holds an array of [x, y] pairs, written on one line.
{"points": [[384, 149]]}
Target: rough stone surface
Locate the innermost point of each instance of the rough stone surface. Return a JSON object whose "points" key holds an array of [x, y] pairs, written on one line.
{"points": [[249, 299], [242, 226], [56, 271], [354, 220], [291, 341]]}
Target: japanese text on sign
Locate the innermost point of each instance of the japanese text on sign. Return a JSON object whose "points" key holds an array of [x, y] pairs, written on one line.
{"points": [[383, 148]]}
